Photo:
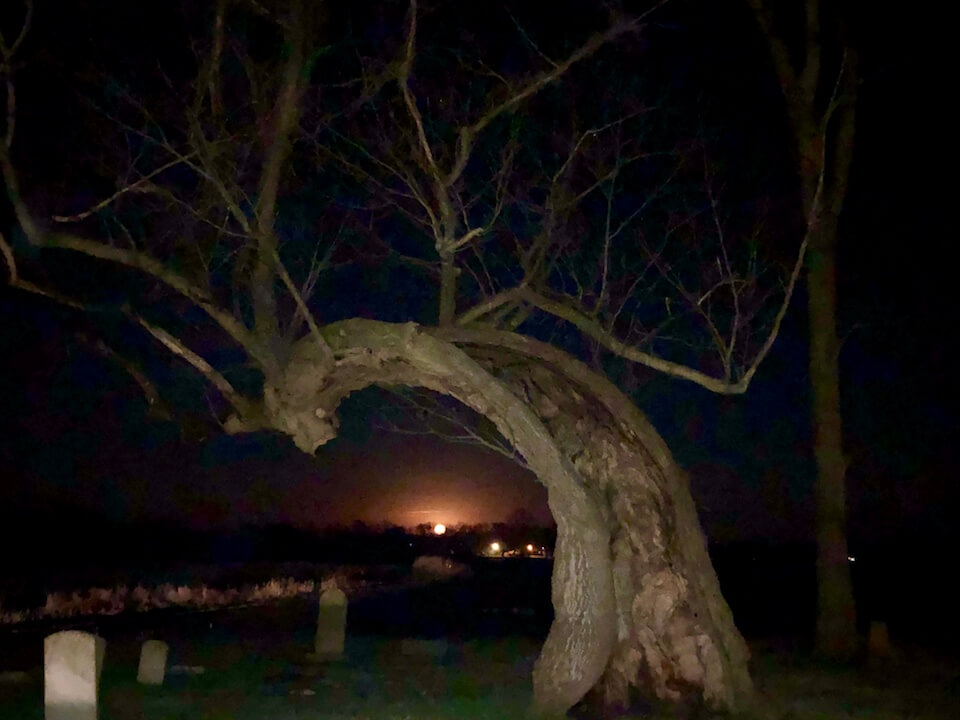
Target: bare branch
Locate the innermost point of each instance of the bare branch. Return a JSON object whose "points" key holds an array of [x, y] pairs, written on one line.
{"points": [[136, 186], [9, 51], [593, 329], [325, 351], [150, 265], [7, 54], [488, 306], [416, 193], [18, 282], [205, 168], [11, 261], [155, 405], [730, 279], [447, 424], [778, 48], [403, 79], [469, 237], [285, 116], [11, 122], [810, 76], [469, 133], [216, 53], [242, 405]]}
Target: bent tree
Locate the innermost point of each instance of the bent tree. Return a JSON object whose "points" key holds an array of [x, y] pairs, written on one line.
{"points": [[319, 200]]}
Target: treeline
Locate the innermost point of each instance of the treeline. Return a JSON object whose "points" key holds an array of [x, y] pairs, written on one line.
{"points": [[59, 548]]}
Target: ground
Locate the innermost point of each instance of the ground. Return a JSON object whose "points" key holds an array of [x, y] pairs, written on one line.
{"points": [[255, 667]]}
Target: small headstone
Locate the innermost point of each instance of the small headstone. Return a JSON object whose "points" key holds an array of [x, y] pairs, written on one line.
{"points": [[879, 649], [153, 662], [331, 623], [436, 567], [72, 662]]}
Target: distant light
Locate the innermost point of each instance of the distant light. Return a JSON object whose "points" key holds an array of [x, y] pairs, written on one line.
{"points": [[439, 529], [851, 558], [495, 547], [529, 548]]}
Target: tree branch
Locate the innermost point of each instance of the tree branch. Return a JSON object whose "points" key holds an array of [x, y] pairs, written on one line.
{"points": [[150, 265], [242, 405], [155, 405], [325, 352], [286, 111], [488, 306], [7, 53], [595, 330], [135, 186], [778, 48], [468, 134], [247, 410], [18, 282]]}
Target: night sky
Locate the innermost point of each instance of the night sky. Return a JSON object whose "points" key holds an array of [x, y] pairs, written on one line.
{"points": [[74, 428]]}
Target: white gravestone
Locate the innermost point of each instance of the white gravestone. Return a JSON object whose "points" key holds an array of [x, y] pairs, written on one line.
{"points": [[153, 662], [331, 623], [72, 662]]}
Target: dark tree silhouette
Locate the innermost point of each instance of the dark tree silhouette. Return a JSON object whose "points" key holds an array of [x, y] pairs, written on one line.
{"points": [[818, 75]]}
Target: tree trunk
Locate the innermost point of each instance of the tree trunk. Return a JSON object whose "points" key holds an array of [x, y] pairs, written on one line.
{"points": [[824, 134], [637, 604], [676, 641], [836, 613]]}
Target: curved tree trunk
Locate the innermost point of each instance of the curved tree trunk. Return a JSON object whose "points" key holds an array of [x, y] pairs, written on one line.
{"points": [[676, 640], [636, 601]]}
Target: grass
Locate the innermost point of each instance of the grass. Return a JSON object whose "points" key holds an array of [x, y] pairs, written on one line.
{"points": [[256, 667], [477, 680], [482, 680]]}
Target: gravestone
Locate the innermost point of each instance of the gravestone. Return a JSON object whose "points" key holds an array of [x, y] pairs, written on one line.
{"points": [[331, 623], [153, 662], [72, 663], [436, 567], [879, 649]]}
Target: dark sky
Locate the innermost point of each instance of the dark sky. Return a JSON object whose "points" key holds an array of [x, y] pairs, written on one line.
{"points": [[74, 430]]}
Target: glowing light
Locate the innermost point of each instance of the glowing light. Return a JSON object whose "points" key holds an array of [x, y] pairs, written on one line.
{"points": [[495, 547], [439, 529], [529, 548], [851, 558]]}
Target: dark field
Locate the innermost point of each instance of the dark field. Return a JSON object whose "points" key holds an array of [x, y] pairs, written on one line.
{"points": [[486, 632]]}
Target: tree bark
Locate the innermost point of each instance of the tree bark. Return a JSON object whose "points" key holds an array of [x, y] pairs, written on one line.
{"points": [[824, 141], [824, 178], [637, 604], [836, 611], [676, 641]]}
